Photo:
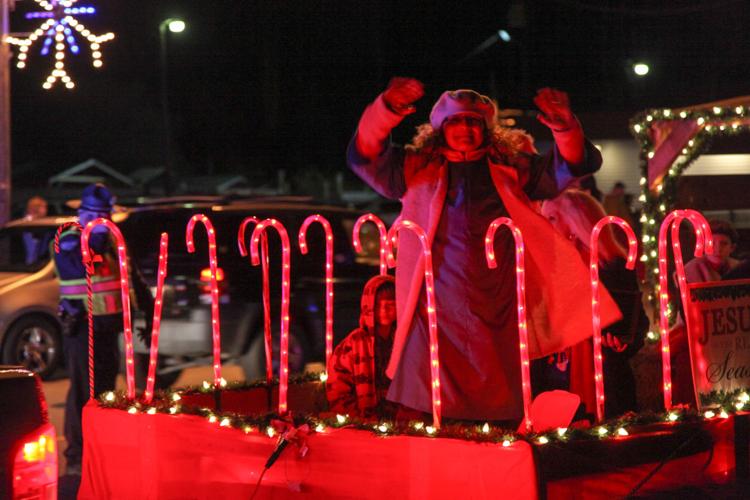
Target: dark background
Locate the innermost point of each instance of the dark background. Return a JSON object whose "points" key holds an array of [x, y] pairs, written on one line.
{"points": [[260, 85]]}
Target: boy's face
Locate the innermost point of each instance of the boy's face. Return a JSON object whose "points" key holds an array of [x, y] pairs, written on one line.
{"points": [[464, 132], [723, 248], [385, 311]]}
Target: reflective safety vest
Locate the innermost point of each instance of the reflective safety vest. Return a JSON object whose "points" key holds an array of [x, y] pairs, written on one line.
{"points": [[105, 283]]}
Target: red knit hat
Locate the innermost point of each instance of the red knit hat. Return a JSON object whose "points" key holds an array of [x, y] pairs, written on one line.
{"points": [[453, 102]]}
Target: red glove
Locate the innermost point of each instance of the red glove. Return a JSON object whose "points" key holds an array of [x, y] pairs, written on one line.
{"points": [[402, 93]]}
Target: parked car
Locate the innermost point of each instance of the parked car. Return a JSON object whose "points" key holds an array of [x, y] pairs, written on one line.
{"points": [[28, 442], [185, 338]]}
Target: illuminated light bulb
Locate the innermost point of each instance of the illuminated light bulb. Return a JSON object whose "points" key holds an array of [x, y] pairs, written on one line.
{"points": [[709, 414], [642, 198], [225, 422], [653, 253], [96, 54], [644, 258], [151, 411], [173, 410], [430, 430], [744, 397], [20, 65], [222, 382], [542, 440], [132, 410], [739, 405], [95, 46], [700, 121], [323, 376], [506, 443], [683, 114], [418, 425], [643, 181], [320, 428], [561, 431], [650, 154], [662, 207], [206, 385], [717, 110], [724, 414], [383, 428], [622, 431], [602, 431], [212, 418], [341, 419], [270, 432], [486, 428], [109, 396], [672, 417], [649, 118], [176, 397], [667, 112], [247, 429]]}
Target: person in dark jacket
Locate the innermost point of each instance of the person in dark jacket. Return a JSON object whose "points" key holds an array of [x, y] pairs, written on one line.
{"points": [[357, 383], [96, 201]]}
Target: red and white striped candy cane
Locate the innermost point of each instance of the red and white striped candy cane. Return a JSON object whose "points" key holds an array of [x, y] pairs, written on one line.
{"points": [[266, 290], [329, 275], [523, 335], [383, 233], [156, 323], [595, 315], [285, 293], [704, 242], [215, 325], [122, 254], [431, 307]]}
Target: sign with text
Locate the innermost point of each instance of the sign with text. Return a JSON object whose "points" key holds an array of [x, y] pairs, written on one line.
{"points": [[719, 335]]}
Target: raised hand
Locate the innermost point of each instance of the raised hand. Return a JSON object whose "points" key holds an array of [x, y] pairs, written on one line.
{"points": [[555, 110], [402, 93]]}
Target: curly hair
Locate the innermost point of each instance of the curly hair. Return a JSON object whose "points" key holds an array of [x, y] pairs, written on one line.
{"points": [[507, 141]]}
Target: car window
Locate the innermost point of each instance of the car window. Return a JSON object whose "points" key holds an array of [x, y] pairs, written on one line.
{"points": [[25, 249]]}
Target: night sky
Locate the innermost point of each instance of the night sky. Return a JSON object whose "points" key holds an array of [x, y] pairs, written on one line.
{"points": [[260, 85]]}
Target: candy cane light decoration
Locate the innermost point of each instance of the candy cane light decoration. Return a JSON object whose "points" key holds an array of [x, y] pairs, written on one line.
{"points": [[595, 316], [383, 233], [285, 293], [523, 334], [266, 290], [156, 322], [329, 275], [431, 307], [122, 254], [215, 325], [703, 242]]}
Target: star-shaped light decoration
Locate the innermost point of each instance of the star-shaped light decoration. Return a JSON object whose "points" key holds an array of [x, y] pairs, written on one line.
{"points": [[61, 30]]}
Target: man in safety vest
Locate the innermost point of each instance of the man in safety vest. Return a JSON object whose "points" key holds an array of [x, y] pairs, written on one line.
{"points": [[96, 201]]}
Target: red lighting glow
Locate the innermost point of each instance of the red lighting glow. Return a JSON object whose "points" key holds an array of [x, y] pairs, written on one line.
{"points": [[382, 231], [156, 323]]}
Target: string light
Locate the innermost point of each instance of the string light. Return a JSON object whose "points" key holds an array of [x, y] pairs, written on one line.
{"points": [[486, 428], [523, 336], [709, 414], [258, 232], [595, 315], [109, 396], [329, 275], [213, 264], [341, 419], [156, 322], [88, 257], [383, 235], [266, 289], [60, 30], [431, 307], [602, 431], [543, 440], [703, 240], [561, 431], [151, 411]]}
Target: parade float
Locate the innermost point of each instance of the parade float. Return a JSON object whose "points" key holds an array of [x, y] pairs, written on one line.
{"points": [[275, 437]]}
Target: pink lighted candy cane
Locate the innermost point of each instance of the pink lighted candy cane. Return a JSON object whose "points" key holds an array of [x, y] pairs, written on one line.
{"points": [[90, 300], [595, 316], [382, 231], [704, 240], [266, 290], [156, 323], [431, 307], [122, 254], [329, 275], [523, 334], [285, 292], [215, 326]]}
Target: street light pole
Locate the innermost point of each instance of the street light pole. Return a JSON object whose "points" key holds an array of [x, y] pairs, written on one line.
{"points": [[174, 26], [5, 165]]}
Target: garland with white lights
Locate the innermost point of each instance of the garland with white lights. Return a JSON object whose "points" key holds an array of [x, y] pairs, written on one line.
{"points": [[60, 29], [721, 405], [659, 201]]}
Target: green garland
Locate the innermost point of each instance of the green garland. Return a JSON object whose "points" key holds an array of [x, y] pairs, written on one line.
{"points": [[718, 121], [168, 402]]}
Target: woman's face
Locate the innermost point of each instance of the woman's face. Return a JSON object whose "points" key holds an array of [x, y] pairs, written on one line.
{"points": [[464, 132]]}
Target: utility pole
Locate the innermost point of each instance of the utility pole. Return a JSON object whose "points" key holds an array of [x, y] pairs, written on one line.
{"points": [[5, 55]]}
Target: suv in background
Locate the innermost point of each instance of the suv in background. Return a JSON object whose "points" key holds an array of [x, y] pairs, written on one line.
{"points": [[185, 337], [28, 442]]}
